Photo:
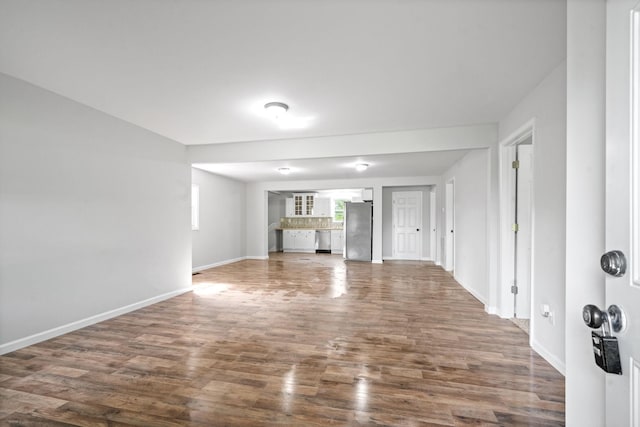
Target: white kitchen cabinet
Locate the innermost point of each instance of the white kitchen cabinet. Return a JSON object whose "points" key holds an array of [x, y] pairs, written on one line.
{"points": [[289, 207], [299, 240], [337, 241], [306, 240], [322, 207], [303, 204], [288, 237]]}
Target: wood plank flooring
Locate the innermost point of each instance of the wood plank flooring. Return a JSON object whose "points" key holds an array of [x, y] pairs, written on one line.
{"points": [[302, 340]]}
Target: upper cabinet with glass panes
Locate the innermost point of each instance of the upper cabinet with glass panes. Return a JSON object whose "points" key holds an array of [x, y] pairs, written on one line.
{"points": [[301, 204]]}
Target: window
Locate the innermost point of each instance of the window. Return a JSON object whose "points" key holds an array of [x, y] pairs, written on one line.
{"points": [[338, 211], [195, 207]]}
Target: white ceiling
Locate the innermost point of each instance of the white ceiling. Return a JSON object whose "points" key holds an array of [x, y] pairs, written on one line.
{"points": [[200, 71], [411, 164]]}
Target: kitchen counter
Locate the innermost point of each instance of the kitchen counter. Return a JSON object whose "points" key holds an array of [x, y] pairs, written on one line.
{"points": [[312, 239]]}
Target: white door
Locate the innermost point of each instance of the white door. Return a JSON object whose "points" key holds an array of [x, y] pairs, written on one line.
{"points": [[524, 153], [623, 202], [449, 206], [407, 224]]}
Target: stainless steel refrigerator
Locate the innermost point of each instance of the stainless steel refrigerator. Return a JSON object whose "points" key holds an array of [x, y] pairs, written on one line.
{"points": [[357, 230]]}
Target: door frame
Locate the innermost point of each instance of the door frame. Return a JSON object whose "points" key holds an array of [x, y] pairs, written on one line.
{"points": [[432, 226], [506, 182], [450, 224]]}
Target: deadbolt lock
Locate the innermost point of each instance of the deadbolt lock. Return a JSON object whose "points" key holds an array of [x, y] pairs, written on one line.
{"points": [[614, 263]]}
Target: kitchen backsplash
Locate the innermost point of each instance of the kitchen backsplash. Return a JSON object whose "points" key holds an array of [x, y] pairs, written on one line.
{"points": [[309, 222]]}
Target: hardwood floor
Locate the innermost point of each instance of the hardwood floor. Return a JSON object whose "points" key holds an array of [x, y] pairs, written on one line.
{"points": [[305, 340]]}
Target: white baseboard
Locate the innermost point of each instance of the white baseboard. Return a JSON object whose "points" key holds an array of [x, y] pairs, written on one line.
{"points": [[548, 356], [490, 309], [535, 345], [505, 313], [475, 294], [391, 258], [258, 257], [376, 261], [216, 264], [73, 326]]}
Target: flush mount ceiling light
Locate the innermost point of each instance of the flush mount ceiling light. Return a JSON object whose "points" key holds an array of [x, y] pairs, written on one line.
{"points": [[284, 171], [362, 167], [276, 109]]}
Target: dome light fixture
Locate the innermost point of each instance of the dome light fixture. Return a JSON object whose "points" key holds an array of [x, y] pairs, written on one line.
{"points": [[284, 171], [276, 109], [360, 167]]}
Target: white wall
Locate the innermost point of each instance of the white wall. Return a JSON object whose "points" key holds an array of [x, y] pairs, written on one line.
{"points": [[222, 234], [585, 216], [547, 105], [94, 215], [387, 220], [470, 222]]}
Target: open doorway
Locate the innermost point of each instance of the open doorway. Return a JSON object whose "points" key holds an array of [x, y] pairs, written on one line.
{"points": [[276, 209], [432, 226], [517, 224]]}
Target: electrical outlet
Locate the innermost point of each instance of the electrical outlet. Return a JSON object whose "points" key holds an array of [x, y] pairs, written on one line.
{"points": [[545, 311]]}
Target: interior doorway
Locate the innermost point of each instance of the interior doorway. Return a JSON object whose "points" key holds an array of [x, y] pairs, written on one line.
{"points": [[432, 226], [449, 206], [522, 234], [517, 225]]}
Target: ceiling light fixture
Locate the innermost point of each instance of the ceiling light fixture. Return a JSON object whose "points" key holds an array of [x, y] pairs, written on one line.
{"points": [[362, 167], [276, 109], [284, 171]]}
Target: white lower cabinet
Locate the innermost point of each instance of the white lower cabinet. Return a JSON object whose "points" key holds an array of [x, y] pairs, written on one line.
{"points": [[306, 240], [299, 240], [288, 238], [337, 241]]}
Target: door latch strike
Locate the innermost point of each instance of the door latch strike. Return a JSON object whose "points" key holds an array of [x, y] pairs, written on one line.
{"points": [[515, 227], [514, 290], [515, 164]]}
